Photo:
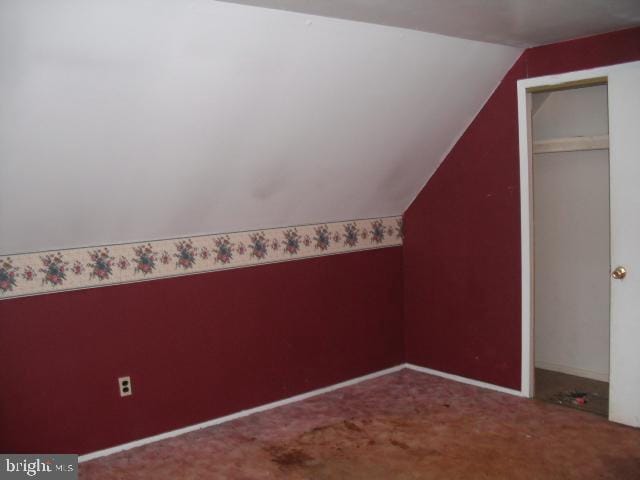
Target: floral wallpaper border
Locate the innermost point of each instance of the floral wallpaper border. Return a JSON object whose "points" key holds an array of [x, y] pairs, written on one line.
{"points": [[57, 271]]}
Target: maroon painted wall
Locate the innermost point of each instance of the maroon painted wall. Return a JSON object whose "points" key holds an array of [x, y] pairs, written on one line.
{"points": [[462, 233], [196, 347]]}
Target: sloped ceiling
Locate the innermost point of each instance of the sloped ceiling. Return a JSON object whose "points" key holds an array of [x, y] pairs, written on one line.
{"points": [[522, 23], [570, 113], [135, 120]]}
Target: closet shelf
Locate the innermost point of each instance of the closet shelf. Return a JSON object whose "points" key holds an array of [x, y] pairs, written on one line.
{"points": [[571, 144]]}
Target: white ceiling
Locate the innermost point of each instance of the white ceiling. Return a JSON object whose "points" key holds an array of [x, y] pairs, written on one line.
{"points": [[521, 23], [131, 120]]}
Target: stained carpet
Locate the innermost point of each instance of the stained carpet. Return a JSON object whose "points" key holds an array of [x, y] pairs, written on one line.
{"points": [[405, 425]]}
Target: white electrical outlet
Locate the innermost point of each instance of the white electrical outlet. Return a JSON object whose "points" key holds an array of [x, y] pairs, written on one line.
{"points": [[126, 388]]}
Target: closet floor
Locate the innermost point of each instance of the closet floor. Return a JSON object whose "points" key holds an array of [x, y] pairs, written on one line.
{"points": [[571, 391], [402, 426]]}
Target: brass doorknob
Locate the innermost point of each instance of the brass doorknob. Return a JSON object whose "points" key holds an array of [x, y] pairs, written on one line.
{"points": [[619, 273]]}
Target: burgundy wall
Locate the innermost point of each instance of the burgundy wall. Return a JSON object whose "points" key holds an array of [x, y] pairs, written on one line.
{"points": [[462, 233], [196, 347]]}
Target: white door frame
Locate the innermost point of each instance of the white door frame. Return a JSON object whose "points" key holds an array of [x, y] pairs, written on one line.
{"points": [[526, 199]]}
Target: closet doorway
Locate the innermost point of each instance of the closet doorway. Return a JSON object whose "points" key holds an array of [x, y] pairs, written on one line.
{"points": [[571, 252], [580, 197]]}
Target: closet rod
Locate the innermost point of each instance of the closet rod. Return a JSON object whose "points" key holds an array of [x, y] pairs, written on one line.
{"points": [[571, 144]]}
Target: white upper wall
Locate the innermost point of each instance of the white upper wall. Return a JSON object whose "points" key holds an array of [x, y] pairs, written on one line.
{"points": [[134, 120]]}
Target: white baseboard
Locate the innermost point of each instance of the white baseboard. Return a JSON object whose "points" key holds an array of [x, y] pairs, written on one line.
{"points": [[469, 381], [286, 401], [234, 416], [578, 372]]}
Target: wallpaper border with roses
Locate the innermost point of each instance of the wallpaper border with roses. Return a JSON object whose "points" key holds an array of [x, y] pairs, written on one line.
{"points": [[80, 268]]}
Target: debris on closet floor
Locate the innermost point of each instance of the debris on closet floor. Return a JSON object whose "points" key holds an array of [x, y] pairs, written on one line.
{"points": [[571, 391]]}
